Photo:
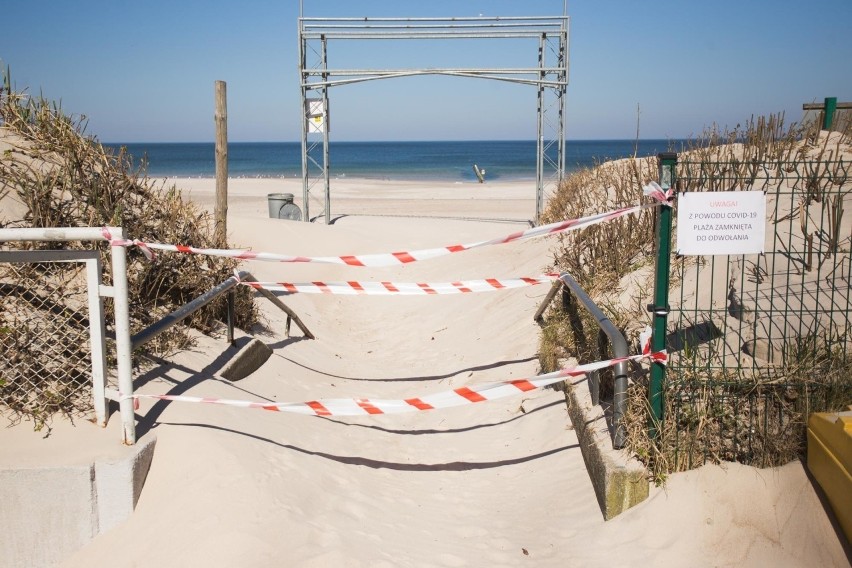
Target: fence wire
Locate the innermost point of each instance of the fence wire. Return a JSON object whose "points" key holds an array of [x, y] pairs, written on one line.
{"points": [[45, 366], [758, 342]]}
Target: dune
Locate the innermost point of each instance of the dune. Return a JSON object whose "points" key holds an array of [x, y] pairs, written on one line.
{"points": [[498, 483]]}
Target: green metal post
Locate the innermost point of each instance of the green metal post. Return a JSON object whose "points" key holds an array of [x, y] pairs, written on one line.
{"points": [[660, 308], [828, 113]]}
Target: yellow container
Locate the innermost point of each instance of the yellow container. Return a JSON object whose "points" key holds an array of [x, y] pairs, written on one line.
{"points": [[830, 461]]}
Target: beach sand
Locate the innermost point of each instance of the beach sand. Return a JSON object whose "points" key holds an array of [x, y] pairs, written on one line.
{"points": [[501, 483]]}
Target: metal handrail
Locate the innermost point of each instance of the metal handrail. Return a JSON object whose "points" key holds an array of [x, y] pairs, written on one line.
{"points": [[619, 349], [227, 286], [291, 315], [118, 292], [124, 342], [187, 310]]}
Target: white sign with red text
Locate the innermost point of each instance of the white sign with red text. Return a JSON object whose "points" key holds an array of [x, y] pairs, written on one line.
{"points": [[721, 222]]}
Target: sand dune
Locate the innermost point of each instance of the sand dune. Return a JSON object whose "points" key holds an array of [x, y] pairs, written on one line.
{"points": [[501, 483]]}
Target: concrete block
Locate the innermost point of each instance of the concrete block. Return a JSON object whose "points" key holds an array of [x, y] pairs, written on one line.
{"points": [[46, 514], [248, 360], [619, 480], [49, 512], [118, 484]]}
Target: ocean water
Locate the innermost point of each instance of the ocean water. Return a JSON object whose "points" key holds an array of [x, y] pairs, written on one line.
{"points": [[446, 161]]}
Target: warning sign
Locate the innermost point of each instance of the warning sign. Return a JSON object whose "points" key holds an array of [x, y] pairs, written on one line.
{"points": [[315, 116], [728, 222]]}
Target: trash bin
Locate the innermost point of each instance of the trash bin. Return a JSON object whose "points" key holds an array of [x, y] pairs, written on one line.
{"points": [[281, 206]]}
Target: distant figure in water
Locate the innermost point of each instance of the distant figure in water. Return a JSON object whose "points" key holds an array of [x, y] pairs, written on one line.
{"points": [[480, 174]]}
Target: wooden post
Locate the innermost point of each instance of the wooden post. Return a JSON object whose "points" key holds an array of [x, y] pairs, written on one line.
{"points": [[221, 209]]}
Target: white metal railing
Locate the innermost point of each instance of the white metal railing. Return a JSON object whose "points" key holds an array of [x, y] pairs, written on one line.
{"points": [[96, 292]]}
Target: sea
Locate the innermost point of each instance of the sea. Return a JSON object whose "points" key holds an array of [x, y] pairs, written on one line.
{"points": [[436, 161]]}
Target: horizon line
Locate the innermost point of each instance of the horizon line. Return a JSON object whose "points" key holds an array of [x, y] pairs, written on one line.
{"points": [[567, 140]]}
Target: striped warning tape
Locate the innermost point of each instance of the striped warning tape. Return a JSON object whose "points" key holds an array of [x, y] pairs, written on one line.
{"points": [[445, 399], [405, 257], [404, 288]]}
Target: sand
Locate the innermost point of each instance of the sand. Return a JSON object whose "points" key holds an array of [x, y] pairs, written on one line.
{"points": [[501, 483]]}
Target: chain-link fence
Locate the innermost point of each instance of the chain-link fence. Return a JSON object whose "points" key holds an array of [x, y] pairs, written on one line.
{"points": [[757, 342], [44, 337]]}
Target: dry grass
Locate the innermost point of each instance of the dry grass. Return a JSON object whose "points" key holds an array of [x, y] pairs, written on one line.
{"points": [[717, 416], [598, 257], [602, 254], [57, 176]]}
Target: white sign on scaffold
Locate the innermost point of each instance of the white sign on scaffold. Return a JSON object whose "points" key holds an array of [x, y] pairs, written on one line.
{"points": [[721, 222], [316, 116]]}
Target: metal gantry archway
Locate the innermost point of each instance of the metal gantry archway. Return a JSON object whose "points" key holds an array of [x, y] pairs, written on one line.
{"points": [[549, 77]]}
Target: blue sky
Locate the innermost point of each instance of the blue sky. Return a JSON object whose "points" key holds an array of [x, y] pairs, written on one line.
{"points": [[144, 71]]}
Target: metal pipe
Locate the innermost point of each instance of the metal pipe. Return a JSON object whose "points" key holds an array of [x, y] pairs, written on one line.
{"points": [[58, 234], [123, 349], [468, 70], [291, 315], [539, 164], [619, 349], [554, 288], [182, 313], [303, 90], [378, 76], [828, 115], [440, 19], [660, 308], [351, 81], [325, 136], [563, 79], [231, 318], [97, 339], [424, 35], [449, 28]]}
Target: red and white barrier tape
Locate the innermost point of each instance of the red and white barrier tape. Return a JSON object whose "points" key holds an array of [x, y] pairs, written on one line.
{"points": [[655, 191], [445, 399], [645, 337], [404, 257], [146, 250], [404, 288]]}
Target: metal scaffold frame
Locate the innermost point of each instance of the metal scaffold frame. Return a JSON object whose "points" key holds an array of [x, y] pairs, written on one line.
{"points": [[316, 79]]}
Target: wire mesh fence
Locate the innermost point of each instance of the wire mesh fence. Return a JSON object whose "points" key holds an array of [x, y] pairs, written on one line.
{"points": [[46, 366], [757, 342]]}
